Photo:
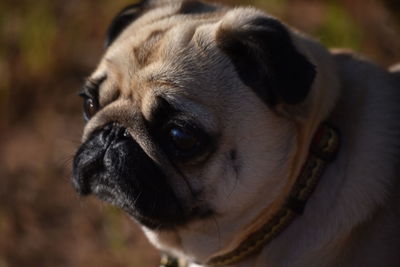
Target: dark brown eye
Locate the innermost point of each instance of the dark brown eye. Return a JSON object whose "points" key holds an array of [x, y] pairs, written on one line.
{"points": [[183, 139], [90, 108]]}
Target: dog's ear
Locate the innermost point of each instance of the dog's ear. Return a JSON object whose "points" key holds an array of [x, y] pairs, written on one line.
{"points": [[266, 59], [125, 17]]}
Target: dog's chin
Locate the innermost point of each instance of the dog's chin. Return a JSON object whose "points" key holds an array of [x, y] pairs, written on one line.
{"points": [[167, 216], [149, 221], [144, 215]]}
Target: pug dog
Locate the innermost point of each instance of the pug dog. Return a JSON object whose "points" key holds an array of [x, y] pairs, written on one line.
{"points": [[235, 140]]}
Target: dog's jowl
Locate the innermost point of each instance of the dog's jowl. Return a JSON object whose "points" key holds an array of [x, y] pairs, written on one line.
{"points": [[234, 140]]}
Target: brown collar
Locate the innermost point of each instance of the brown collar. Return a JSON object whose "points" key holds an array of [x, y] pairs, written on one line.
{"points": [[323, 149]]}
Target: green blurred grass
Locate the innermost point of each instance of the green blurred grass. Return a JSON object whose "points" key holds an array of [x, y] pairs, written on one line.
{"points": [[338, 29], [38, 37]]}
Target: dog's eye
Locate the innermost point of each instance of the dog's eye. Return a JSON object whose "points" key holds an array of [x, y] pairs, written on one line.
{"points": [[90, 107], [183, 139], [184, 142]]}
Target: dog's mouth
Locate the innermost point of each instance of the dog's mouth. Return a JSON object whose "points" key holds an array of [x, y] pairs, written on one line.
{"points": [[117, 199], [147, 212], [113, 167]]}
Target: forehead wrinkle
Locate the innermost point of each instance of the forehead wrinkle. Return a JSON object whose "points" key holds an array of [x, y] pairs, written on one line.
{"points": [[123, 71], [168, 36], [192, 107], [180, 99], [116, 66], [146, 52]]}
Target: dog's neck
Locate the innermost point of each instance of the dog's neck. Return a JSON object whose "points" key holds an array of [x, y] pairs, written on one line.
{"points": [[322, 150]]}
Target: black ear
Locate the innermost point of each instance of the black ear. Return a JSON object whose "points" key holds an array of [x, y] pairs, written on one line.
{"points": [[267, 61], [125, 17]]}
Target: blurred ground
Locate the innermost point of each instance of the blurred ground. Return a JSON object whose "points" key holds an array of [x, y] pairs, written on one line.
{"points": [[47, 47]]}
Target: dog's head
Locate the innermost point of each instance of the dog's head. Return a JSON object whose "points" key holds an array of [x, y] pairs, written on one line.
{"points": [[198, 113]]}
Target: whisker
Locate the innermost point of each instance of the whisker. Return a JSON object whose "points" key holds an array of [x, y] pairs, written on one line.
{"points": [[234, 186], [218, 230], [185, 179]]}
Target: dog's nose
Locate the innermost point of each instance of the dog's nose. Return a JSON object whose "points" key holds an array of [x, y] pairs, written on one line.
{"points": [[111, 133], [89, 159]]}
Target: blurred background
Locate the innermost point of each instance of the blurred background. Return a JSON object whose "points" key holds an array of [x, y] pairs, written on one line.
{"points": [[47, 48]]}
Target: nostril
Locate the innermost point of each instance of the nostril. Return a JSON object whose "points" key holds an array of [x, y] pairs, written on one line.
{"points": [[126, 134], [106, 132], [112, 132], [120, 132]]}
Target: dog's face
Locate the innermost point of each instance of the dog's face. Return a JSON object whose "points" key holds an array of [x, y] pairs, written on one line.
{"points": [[188, 114]]}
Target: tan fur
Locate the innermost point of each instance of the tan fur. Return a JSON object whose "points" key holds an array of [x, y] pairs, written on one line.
{"points": [[350, 220]]}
